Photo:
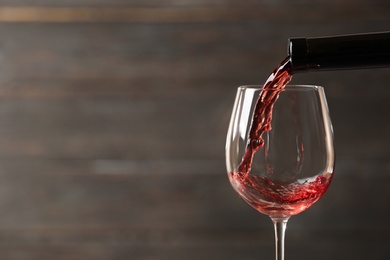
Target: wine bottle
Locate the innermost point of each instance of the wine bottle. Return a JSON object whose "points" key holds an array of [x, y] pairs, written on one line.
{"points": [[354, 51]]}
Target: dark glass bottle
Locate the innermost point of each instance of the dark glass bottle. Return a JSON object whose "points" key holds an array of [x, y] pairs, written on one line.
{"points": [[355, 51]]}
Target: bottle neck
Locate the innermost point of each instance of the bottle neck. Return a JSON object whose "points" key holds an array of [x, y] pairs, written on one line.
{"points": [[354, 51]]}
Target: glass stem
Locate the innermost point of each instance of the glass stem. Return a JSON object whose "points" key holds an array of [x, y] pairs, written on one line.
{"points": [[280, 225]]}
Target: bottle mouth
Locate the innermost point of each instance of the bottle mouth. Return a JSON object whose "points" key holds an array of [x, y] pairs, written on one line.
{"points": [[298, 53]]}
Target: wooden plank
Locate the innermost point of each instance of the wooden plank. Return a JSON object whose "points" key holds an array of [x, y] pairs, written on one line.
{"points": [[172, 15], [89, 195], [190, 3]]}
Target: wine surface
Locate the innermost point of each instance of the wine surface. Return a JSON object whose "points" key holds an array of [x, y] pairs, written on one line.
{"points": [[279, 199]]}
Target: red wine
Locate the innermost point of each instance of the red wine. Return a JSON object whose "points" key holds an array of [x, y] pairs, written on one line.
{"points": [[276, 199], [262, 118], [279, 199]]}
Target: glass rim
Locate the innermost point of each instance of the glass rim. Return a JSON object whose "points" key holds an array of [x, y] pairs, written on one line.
{"points": [[288, 87]]}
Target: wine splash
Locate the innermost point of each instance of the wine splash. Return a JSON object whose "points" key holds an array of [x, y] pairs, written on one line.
{"points": [[279, 199]]}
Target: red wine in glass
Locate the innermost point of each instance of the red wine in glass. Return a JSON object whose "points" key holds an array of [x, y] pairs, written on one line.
{"points": [[279, 199]]}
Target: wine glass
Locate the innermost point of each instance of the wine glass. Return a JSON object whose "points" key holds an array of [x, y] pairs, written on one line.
{"points": [[294, 163]]}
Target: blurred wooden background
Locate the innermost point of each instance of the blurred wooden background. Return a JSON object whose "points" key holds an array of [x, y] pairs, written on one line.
{"points": [[113, 116]]}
